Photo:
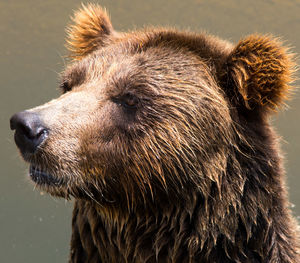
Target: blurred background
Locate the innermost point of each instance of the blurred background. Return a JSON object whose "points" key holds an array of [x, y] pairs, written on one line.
{"points": [[35, 227]]}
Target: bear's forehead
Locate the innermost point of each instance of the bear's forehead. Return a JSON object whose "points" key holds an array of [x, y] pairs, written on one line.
{"points": [[157, 44], [135, 58]]}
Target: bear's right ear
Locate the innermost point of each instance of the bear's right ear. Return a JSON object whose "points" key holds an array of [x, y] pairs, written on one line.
{"points": [[258, 73], [91, 29]]}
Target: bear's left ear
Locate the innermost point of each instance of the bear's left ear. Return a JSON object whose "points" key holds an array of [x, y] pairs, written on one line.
{"points": [[91, 29], [259, 70]]}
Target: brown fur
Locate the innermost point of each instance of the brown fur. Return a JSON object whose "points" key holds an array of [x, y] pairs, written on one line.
{"points": [[261, 70], [163, 139], [90, 30]]}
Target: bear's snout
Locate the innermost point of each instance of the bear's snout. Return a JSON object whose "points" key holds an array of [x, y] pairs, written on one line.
{"points": [[30, 132]]}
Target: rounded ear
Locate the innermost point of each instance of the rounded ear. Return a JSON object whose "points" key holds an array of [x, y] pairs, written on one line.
{"points": [[260, 70], [91, 29]]}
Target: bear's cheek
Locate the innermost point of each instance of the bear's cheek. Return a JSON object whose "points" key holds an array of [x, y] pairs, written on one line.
{"points": [[103, 142]]}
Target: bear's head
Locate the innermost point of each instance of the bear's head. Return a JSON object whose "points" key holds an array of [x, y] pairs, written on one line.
{"points": [[148, 117]]}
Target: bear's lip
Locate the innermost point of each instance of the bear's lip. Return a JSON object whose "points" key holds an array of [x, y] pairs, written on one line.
{"points": [[42, 177]]}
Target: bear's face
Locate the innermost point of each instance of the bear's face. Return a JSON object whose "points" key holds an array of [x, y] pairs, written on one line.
{"points": [[129, 122], [148, 113]]}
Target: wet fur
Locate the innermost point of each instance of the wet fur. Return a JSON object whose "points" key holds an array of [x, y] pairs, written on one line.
{"points": [[193, 173]]}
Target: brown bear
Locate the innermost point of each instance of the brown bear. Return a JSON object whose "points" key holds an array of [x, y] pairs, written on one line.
{"points": [[163, 139]]}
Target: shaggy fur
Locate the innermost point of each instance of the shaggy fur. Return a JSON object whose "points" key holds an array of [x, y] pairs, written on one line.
{"points": [[163, 139], [90, 30], [261, 71]]}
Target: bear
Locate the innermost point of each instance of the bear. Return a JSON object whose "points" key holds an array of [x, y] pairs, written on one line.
{"points": [[163, 139]]}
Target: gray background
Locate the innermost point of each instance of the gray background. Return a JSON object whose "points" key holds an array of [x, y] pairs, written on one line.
{"points": [[35, 227]]}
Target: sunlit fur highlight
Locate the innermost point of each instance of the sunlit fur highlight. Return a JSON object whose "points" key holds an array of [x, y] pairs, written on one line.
{"points": [[90, 29], [262, 69]]}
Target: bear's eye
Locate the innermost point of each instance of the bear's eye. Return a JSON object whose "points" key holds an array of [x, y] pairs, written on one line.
{"points": [[127, 101]]}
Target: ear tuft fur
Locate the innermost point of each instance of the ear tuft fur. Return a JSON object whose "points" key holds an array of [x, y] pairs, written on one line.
{"points": [[261, 69], [91, 29]]}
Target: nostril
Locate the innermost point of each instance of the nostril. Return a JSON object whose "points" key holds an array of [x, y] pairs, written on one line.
{"points": [[30, 131]]}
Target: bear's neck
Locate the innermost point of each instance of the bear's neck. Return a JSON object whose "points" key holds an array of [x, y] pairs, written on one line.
{"points": [[195, 232], [244, 217]]}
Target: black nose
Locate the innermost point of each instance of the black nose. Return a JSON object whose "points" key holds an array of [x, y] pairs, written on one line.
{"points": [[30, 131]]}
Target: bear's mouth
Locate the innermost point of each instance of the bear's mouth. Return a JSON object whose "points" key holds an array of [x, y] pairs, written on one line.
{"points": [[42, 177]]}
